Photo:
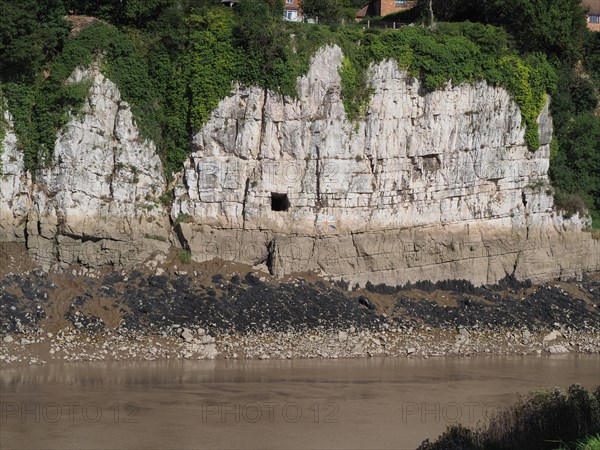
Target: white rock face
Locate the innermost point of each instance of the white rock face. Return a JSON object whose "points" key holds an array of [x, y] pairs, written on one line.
{"points": [[426, 186], [15, 186], [98, 201]]}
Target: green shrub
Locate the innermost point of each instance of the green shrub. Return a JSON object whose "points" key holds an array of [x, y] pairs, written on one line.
{"points": [[569, 204], [456, 53], [575, 168], [184, 256], [589, 443], [184, 218], [52, 101], [540, 421]]}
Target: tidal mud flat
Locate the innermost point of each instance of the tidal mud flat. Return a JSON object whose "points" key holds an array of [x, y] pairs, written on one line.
{"points": [[169, 310]]}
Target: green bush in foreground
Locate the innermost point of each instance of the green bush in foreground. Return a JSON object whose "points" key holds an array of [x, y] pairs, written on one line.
{"points": [[589, 443], [544, 420]]}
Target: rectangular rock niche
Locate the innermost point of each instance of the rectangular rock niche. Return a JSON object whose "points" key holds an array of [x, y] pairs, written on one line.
{"points": [[279, 202]]}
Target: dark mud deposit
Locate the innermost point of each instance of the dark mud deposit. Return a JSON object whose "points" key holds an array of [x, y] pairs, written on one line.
{"points": [[254, 303]]}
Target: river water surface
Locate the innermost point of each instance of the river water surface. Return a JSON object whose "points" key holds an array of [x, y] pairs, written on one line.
{"points": [[364, 403]]}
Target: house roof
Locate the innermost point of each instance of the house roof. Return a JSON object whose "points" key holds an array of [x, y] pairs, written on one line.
{"points": [[368, 10], [362, 13], [592, 5]]}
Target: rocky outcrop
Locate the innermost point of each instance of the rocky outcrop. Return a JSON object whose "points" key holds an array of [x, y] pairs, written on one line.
{"points": [[97, 202], [15, 186], [426, 186]]}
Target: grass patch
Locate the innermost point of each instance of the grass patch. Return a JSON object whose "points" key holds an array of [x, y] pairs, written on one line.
{"points": [[588, 443], [184, 256], [184, 218]]}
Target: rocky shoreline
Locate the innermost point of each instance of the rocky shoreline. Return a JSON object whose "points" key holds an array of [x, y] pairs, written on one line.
{"points": [[222, 310], [70, 346]]}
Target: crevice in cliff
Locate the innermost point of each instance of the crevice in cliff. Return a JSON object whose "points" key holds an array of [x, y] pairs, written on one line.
{"points": [[113, 175], [271, 250], [116, 122], [26, 233], [515, 265], [355, 245], [371, 164], [237, 131], [93, 239], [263, 122], [180, 236], [525, 214], [246, 191], [318, 201]]}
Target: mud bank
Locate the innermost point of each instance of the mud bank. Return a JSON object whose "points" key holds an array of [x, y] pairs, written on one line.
{"points": [[166, 309]]}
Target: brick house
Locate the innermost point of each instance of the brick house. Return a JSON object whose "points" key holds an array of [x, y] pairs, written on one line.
{"points": [[292, 11], [593, 18], [384, 7]]}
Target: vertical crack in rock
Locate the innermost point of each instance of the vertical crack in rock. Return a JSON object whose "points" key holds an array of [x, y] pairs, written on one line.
{"points": [[26, 233], [246, 191], [115, 134], [237, 126], [355, 245], [181, 237], [515, 265], [371, 164], [272, 256], [113, 175], [269, 260], [263, 122], [318, 202]]}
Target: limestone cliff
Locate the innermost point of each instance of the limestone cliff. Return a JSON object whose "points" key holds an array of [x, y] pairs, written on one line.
{"points": [[97, 201], [15, 186], [424, 186]]}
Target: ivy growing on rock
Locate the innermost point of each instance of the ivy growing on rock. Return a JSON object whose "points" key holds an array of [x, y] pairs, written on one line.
{"points": [[174, 62]]}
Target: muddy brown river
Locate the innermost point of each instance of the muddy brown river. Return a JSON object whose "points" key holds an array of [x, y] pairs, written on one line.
{"points": [[365, 403]]}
